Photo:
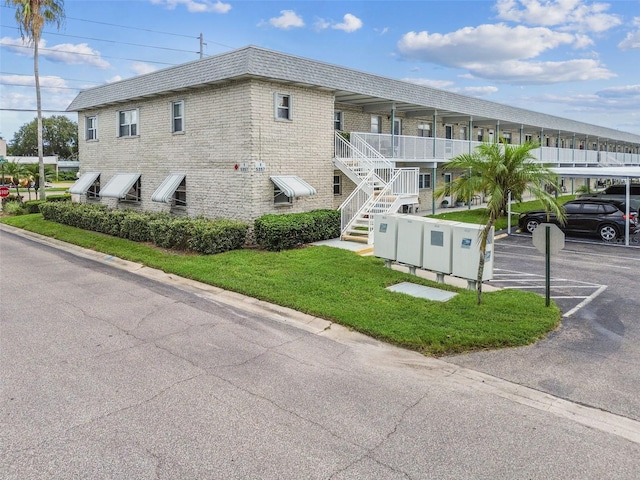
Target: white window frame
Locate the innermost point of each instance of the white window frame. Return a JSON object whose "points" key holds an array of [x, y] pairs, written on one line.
{"points": [[376, 124], [462, 134], [338, 118], [132, 126], [93, 192], [180, 195], [506, 136], [179, 117], [337, 185], [93, 120], [424, 127], [280, 198], [424, 181], [281, 112], [134, 194], [480, 136]]}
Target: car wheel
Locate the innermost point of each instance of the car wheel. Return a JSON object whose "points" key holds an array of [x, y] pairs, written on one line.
{"points": [[607, 232], [531, 224]]}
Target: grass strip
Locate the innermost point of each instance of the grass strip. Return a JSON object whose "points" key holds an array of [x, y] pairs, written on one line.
{"points": [[341, 286]]}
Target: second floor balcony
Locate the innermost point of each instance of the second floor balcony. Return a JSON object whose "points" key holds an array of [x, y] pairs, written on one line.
{"points": [[404, 148]]}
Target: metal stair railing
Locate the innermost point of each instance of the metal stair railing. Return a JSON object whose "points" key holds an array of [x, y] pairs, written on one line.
{"points": [[353, 204]]}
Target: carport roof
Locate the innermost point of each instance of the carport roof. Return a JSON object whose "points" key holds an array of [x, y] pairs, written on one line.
{"points": [[598, 172]]}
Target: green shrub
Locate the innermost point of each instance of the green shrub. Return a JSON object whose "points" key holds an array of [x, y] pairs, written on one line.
{"points": [[291, 230], [135, 226], [58, 198], [33, 206], [14, 208], [12, 198], [210, 237], [172, 232]]}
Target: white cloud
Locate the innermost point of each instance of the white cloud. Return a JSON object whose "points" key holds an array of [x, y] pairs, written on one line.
{"points": [[288, 19], [140, 68], [500, 53], [30, 81], [427, 82], [514, 71], [485, 43], [350, 24], [67, 53], [321, 24], [632, 40], [570, 15], [479, 91], [196, 6], [114, 79], [449, 85]]}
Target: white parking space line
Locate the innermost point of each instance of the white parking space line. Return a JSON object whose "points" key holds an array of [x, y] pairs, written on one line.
{"points": [[586, 301], [531, 281]]}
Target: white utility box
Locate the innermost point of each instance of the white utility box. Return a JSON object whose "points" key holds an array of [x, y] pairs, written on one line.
{"points": [[466, 252], [437, 246], [410, 240], [385, 236]]}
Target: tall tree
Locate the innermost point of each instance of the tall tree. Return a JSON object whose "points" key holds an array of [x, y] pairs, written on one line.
{"points": [[32, 16], [498, 169], [59, 137], [17, 173]]}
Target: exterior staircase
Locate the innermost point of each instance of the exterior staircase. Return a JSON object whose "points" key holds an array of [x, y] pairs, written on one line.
{"points": [[380, 187]]}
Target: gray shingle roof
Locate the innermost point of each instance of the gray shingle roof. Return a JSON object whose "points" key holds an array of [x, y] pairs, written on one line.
{"points": [[253, 61]]}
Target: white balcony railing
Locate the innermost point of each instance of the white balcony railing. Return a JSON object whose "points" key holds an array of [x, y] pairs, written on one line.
{"points": [[406, 148]]}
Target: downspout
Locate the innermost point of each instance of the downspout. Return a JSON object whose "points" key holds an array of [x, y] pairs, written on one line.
{"points": [[393, 131], [435, 163], [470, 150]]}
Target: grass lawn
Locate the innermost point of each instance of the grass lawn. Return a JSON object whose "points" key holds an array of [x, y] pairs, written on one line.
{"points": [[480, 215], [341, 286]]}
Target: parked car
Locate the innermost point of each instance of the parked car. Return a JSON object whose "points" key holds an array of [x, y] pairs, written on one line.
{"points": [[618, 192], [588, 216]]}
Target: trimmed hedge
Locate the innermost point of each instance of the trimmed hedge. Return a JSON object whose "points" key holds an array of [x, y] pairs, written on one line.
{"points": [[196, 234], [291, 230]]}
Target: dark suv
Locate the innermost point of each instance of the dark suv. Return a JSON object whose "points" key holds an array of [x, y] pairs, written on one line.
{"points": [[587, 216], [618, 192]]}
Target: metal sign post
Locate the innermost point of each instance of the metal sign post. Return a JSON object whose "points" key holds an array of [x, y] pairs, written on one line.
{"points": [[548, 239]]}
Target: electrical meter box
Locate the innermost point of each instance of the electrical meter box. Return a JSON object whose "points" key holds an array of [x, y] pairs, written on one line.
{"points": [[437, 246], [410, 240], [466, 252], [385, 236]]}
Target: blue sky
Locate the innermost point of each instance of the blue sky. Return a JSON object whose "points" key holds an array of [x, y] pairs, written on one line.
{"points": [[577, 59]]}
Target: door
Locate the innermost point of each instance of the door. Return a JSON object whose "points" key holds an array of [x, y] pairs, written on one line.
{"points": [[448, 143], [448, 178]]}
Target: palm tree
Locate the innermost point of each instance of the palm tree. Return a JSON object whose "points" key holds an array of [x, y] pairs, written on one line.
{"points": [[32, 15], [17, 172], [497, 170], [33, 172]]}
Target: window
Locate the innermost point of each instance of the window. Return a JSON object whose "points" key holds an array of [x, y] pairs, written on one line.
{"points": [[463, 133], [424, 130], [93, 192], [376, 124], [337, 185], [506, 136], [424, 180], [337, 120], [128, 123], [480, 134], [180, 195], [177, 116], [283, 106], [528, 138], [91, 126], [133, 195], [279, 197]]}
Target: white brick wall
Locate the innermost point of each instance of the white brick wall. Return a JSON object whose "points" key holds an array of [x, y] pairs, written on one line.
{"points": [[225, 125]]}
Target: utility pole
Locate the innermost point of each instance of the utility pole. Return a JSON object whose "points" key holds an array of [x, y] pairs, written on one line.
{"points": [[201, 45]]}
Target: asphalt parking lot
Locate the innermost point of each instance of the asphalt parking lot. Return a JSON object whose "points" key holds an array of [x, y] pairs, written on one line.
{"points": [[593, 358]]}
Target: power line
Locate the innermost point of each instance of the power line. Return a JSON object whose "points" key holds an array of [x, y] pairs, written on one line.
{"points": [[43, 76], [88, 54], [33, 110], [131, 28], [41, 86], [110, 41]]}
